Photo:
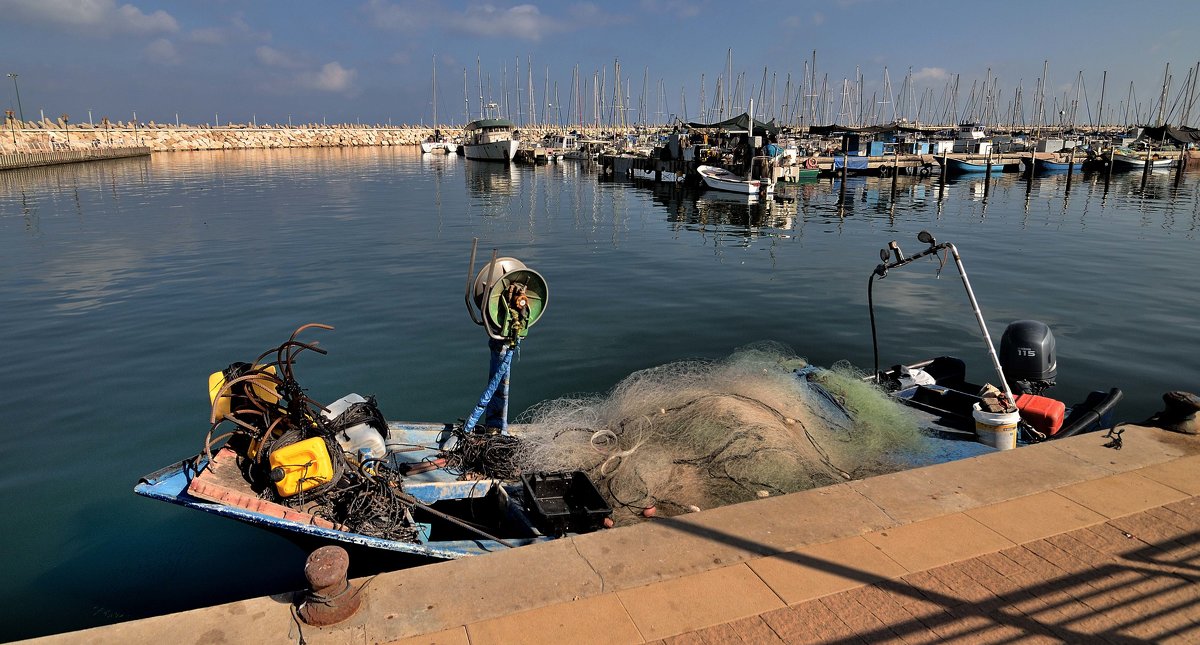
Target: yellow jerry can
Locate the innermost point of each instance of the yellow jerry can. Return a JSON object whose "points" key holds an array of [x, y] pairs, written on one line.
{"points": [[263, 386], [303, 465]]}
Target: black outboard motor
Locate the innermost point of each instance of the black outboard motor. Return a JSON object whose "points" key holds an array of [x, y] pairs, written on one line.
{"points": [[1027, 356]]}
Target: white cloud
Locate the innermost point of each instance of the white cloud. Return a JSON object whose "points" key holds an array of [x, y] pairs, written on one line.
{"points": [[523, 21], [162, 51], [103, 16], [272, 57], [332, 77], [818, 18], [407, 17], [237, 29], [208, 36], [930, 74]]}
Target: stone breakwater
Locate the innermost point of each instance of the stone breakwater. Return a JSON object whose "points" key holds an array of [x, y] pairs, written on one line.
{"points": [[52, 136]]}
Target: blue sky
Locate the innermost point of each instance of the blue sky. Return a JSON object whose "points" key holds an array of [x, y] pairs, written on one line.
{"points": [[371, 60]]}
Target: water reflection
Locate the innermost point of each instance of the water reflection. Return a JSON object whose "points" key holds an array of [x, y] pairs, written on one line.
{"points": [[486, 179], [726, 217]]}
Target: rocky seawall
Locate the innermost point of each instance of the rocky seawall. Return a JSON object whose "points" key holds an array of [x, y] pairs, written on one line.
{"points": [[53, 136]]}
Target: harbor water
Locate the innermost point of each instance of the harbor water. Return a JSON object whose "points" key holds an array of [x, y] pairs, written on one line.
{"points": [[124, 283]]}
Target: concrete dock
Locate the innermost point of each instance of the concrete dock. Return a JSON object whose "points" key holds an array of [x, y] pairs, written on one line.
{"points": [[1065, 541]]}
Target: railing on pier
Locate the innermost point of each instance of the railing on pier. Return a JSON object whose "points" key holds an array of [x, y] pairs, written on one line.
{"points": [[30, 159]]}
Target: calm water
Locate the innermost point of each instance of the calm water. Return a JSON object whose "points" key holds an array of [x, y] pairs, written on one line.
{"points": [[123, 284]]}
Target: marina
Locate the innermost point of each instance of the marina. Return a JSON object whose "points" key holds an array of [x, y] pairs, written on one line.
{"points": [[801, 258], [641, 321]]}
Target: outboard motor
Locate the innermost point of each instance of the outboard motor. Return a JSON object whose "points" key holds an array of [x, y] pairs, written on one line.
{"points": [[1027, 356]]}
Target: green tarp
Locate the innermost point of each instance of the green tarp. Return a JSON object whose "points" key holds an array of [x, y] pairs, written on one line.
{"points": [[739, 123]]}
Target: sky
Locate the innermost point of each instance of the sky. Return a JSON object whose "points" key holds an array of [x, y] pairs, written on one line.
{"points": [[372, 61]]}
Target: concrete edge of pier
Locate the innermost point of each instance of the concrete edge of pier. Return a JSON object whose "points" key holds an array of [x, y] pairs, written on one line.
{"points": [[671, 577]]}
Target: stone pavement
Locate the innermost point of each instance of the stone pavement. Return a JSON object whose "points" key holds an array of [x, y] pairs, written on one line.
{"points": [[1113, 560], [1067, 540], [1128, 580]]}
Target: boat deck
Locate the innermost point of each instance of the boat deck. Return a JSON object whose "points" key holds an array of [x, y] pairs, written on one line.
{"points": [[1065, 540]]}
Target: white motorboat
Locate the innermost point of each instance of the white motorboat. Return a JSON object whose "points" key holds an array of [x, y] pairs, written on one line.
{"points": [[721, 179]]}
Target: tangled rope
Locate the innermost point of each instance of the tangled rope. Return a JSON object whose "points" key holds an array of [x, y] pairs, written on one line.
{"points": [[483, 455]]}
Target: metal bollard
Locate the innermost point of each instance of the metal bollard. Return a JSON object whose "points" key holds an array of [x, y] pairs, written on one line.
{"points": [[331, 599]]}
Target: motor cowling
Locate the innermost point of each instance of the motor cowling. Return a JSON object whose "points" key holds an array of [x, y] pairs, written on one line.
{"points": [[1028, 356]]}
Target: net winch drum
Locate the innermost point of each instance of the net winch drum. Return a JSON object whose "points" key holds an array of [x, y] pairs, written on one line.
{"points": [[1028, 357], [510, 297]]}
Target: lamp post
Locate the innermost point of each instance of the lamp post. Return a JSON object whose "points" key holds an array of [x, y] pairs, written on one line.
{"points": [[107, 133], [13, 76], [67, 124], [135, 137], [8, 114]]}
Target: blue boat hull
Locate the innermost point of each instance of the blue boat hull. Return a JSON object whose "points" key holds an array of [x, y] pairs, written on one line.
{"points": [[1048, 167], [170, 484], [960, 167]]}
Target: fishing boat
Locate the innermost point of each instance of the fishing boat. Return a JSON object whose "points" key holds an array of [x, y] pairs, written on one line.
{"points": [[1026, 367], [1130, 160], [339, 473], [437, 142], [490, 140], [1053, 165], [721, 179], [963, 166]]}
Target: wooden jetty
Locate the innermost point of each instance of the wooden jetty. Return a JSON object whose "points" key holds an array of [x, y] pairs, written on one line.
{"points": [[33, 159]]}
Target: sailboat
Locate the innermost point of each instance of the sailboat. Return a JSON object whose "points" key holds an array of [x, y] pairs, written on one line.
{"points": [[437, 141]]}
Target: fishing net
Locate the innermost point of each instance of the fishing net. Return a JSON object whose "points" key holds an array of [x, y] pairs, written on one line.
{"points": [[700, 434]]}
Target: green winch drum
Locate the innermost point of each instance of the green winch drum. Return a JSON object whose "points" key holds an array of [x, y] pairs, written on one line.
{"points": [[494, 284]]}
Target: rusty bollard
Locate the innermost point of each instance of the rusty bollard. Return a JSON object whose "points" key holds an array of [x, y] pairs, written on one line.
{"points": [[331, 599], [1181, 413]]}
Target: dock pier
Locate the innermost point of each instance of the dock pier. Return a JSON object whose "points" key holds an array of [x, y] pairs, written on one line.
{"points": [[1087, 544], [13, 161]]}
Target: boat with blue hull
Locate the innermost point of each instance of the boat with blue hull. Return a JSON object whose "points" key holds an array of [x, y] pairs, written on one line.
{"points": [[964, 166], [216, 485], [1053, 166], [1025, 367], [341, 474]]}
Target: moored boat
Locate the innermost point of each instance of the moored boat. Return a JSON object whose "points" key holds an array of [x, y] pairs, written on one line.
{"points": [[1130, 160], [437, 142], [1053, 165], [721, 179], [1013, 413], [962, 166], [490, 140]]}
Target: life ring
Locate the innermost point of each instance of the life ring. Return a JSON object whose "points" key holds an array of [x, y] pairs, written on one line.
{"points": [[925, 171], [810, 163], [884, 171]]}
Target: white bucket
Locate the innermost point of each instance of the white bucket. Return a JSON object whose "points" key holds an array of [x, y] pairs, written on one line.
{"points": [[998, 430]]}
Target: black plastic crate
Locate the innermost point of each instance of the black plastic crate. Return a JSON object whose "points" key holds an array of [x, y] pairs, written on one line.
{"points": [[564, 502]]}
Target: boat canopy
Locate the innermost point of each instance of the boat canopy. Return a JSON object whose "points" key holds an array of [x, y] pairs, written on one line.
{"points": [[490, 123], [739, 123], [824, 130], [1182, 134]]}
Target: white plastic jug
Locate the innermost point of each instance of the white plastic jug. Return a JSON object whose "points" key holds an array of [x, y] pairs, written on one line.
{"points": [[361, 441]]}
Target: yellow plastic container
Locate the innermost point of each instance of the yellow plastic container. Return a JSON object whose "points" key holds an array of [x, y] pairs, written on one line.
{"points": [[264, 388], [305, 464]]}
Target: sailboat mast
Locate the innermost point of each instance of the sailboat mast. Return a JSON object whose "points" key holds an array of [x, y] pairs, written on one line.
{"points": [[435, 121], [479, 77]]}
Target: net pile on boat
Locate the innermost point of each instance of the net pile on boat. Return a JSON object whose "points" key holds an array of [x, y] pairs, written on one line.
{"points": [[699, 434]]}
